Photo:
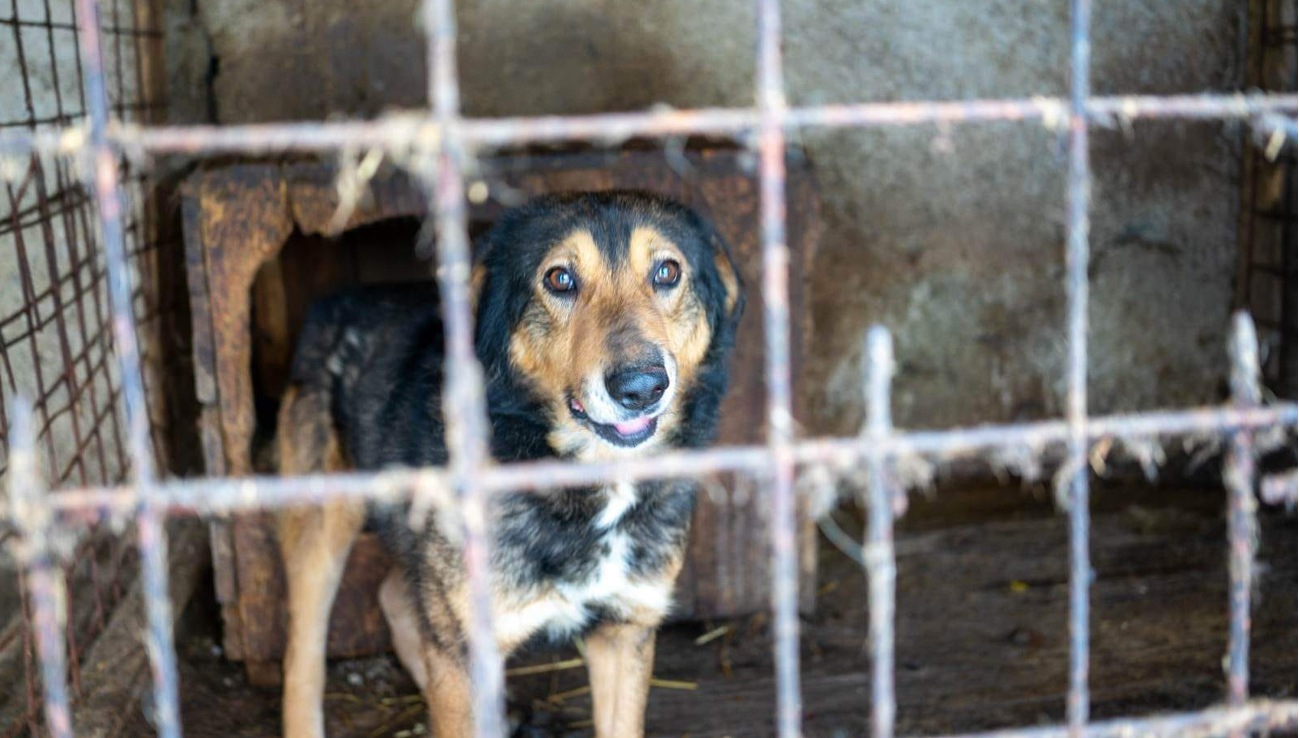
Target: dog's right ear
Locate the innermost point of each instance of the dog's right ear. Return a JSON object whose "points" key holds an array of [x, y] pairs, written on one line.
{"points": [[482, 248], [491, 335]]}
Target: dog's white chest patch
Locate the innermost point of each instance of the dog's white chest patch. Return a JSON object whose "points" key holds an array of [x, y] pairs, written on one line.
{"points": [[619, 499], [569, 606]]}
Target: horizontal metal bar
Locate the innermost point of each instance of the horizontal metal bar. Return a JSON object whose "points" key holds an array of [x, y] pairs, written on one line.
{"points": [[1261, 717], [406, 130], [215, 495]]}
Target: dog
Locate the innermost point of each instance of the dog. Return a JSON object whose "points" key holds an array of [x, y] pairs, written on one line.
{"points": [[604, 322]]}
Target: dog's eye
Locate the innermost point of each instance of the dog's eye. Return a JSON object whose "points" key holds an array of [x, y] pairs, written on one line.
{"points": [[560, 279], [667, 274]]}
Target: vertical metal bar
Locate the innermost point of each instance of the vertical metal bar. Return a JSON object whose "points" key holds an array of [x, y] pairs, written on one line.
{"points": [[881, 566], [101, 170], [44, 578], [1079, 184], [776, 322], [1242, 522], [464, 405], [775, 304]]}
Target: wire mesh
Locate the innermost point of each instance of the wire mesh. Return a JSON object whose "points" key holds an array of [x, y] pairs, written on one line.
{"points": [[56, 346], [1266, 284], [450, 140]]}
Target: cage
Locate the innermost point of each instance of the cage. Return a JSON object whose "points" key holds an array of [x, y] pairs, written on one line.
{"points": [[1048, 553]]}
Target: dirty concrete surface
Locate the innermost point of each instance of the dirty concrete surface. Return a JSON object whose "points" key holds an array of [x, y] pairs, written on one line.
{"points": [[981, 637]]}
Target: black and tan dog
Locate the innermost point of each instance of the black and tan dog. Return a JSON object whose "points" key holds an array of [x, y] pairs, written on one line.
{"points": [[604, 322]]}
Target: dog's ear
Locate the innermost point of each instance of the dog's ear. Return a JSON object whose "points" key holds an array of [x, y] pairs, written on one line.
{"points": [[477, 280], [731, 283], [483, 247], [486, 313]]}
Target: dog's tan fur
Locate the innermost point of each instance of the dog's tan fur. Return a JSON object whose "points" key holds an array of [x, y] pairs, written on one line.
{"points": [[314, 543], [559, 343]]}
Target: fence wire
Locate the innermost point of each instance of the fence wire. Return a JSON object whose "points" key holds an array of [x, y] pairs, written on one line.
{"points": [[448, 142], [55, 322]]}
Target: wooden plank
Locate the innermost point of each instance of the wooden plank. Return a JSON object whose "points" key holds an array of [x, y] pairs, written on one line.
{"points": [[199, 304], [209, 420], [244, 220]]}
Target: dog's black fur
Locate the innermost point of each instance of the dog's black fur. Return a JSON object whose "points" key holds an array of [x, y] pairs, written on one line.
{"points": [[377, 353]]}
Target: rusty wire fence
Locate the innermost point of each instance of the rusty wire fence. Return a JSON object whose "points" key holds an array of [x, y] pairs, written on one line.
{"points": [[442, 143], [56, 349], [1267, 269]]}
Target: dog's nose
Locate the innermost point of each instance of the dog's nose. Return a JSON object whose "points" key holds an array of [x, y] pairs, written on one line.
{"points": [[637, 389]]}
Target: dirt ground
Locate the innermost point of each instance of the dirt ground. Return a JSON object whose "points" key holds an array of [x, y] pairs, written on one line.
{"points": [[981, 638]]}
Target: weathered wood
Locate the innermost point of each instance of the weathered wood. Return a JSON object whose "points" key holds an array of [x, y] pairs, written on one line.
{"points": [[245, 215], [244, 220], [115, 674], [209, 420]]}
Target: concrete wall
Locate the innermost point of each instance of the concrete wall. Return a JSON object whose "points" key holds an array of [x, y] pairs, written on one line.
{"points": [[953, 236], [49, 319]]}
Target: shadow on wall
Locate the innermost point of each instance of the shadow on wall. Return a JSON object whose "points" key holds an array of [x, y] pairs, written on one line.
{"points": [[583, 57], [276, 61]]}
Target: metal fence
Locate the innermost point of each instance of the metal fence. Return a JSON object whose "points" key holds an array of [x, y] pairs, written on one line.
{"points": [[445, 142], [55, 321], [1265, 284]]}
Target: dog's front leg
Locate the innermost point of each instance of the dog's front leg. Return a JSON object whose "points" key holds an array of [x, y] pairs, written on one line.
{"points": [[447, 693], [620, 660], [314, 543]]}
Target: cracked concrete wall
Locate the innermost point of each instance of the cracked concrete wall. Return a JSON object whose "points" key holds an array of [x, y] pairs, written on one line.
{"points": [[953, 236]]}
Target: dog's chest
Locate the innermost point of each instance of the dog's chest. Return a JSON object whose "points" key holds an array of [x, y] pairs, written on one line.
{"points": [[605, 582]]}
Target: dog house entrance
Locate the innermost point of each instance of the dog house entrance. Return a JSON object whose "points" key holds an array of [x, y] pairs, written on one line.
{"points": [[307, 268]]}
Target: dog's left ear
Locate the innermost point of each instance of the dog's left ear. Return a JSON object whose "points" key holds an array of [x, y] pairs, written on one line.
{"points": [[732, 285]]}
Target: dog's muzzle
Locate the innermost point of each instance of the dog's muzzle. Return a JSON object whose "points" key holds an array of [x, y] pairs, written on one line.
{"points": [[626, 412]]}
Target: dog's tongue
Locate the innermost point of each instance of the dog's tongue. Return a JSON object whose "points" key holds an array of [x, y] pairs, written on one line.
{"points": [[632, 427]]}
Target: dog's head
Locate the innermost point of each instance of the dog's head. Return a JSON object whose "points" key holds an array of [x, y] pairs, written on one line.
{"points": [[615, 311]]}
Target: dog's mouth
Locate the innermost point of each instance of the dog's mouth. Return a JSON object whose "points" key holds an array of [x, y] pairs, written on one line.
{"points": [[628, 434]]}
